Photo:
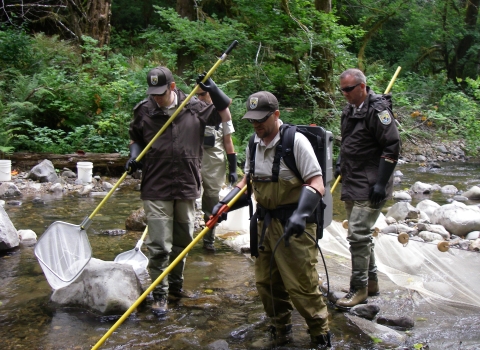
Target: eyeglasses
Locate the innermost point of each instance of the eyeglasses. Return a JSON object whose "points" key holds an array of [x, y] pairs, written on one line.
{"points": [[263, 120], [201, 93], [160, 95], [349, 88]]}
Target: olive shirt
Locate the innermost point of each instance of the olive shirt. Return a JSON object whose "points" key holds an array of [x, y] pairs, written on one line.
{"points": [[171, 167], [368, 134]]}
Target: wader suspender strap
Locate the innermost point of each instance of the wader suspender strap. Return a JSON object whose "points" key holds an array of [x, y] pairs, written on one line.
{"points": [[252, 147]]}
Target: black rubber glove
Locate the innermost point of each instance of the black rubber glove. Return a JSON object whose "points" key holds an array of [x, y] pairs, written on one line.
{"points": [[379, 191], [232, 168], [132, 165], [240, 203], [337, 172], [219, 99], [308, 201]]}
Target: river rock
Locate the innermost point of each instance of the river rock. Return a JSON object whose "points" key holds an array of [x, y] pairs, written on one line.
{"points": [[401, 323], [457, 218], [43, 172], [104, 287], [137, 221], [473, 235], [430, 236], [449, 189], [218, 345], [27, 235], [8, 189], [8, 234], [421, 158], [388, 337], [402, 196], [427, 206], [56, 188], [397, 228], [473, 193], [368, 311], [439, 229], [420, 187], [402, 210], [475, 245], [68, 173]]}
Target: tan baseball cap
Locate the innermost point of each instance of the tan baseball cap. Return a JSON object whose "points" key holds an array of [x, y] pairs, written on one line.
{"points": [[260, 104]]}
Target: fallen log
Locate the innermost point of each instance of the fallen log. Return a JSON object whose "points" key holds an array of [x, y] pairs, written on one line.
{"points": [[104, 163]]}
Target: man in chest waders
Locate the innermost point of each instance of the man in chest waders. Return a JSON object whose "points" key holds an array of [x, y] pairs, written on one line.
{"points": [[285, 205]]}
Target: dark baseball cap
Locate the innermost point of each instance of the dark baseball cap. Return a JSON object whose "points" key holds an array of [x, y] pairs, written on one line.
{"points": [[260, 104], [158, 79]]}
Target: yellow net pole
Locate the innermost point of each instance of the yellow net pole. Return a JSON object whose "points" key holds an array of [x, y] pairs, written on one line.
{"points": [[210, 224]]}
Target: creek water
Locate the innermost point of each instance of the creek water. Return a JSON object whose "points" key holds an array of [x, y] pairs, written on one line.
{"points": [[227, 308]]}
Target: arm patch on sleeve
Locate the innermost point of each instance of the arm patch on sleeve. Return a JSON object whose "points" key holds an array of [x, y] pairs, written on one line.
{"points": [[385, 117]]}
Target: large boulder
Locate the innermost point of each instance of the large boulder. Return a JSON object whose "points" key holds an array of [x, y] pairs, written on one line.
{"points": [[43, 172], [473, 193], [8, 234], [457, 218], [104, 287], [427, 206], [403, 210]]}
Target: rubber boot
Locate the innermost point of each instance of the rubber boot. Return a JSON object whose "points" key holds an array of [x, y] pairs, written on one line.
{"points": [[373, 288], [160, 305], [321, 341], [274, 338], [353, 297]]}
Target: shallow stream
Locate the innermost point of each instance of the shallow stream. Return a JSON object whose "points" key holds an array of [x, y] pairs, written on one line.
{"points": [[227, 308]]}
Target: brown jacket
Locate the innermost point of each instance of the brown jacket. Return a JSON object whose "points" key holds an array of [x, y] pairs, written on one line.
{"points": [[367, 137], [171, 167]]}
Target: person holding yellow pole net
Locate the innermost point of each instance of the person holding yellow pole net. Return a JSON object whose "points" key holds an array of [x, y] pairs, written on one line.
{"points": [[369, 152], [171, 178]]}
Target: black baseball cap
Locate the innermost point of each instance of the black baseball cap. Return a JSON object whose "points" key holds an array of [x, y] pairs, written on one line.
{"points": [[158, 79], [260, 104]]}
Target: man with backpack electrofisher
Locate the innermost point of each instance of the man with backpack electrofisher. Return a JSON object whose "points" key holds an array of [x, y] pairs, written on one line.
{"points": [[369, 152], [286, 207]]}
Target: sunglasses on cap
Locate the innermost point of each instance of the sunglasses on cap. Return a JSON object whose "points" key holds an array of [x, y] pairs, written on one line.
{"points": [[349, 88], [263, 120], [201, 93]]}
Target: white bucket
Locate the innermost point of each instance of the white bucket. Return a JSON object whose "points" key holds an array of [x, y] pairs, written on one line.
{"points": [[85, 171], [5, 170]]}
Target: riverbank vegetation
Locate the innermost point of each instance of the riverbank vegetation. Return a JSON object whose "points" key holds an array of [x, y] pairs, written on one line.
{"points": [[66, 86]]}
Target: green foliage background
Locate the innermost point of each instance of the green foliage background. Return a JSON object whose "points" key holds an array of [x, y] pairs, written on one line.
{"points": [[59, 96]]}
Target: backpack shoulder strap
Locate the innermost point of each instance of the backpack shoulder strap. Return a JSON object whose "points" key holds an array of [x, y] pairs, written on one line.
{"points": [[287, 141], [252, 148]]}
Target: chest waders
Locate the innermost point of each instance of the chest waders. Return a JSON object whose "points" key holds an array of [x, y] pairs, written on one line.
{"points": [[275, 200]]}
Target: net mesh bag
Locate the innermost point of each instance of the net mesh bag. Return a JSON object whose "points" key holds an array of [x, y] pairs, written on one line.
{"points": [[63, 251], [450, 276]]}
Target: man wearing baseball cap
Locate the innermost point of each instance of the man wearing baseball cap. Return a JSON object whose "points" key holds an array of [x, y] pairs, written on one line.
{"points": [[286, 278], [171, 177]]}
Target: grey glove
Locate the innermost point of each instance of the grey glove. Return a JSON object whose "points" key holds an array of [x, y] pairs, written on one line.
{"points": [[132, 165], [337, 172], [378, 191], [308, 201], [232, 168], [219, 99], [240, 203]]}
